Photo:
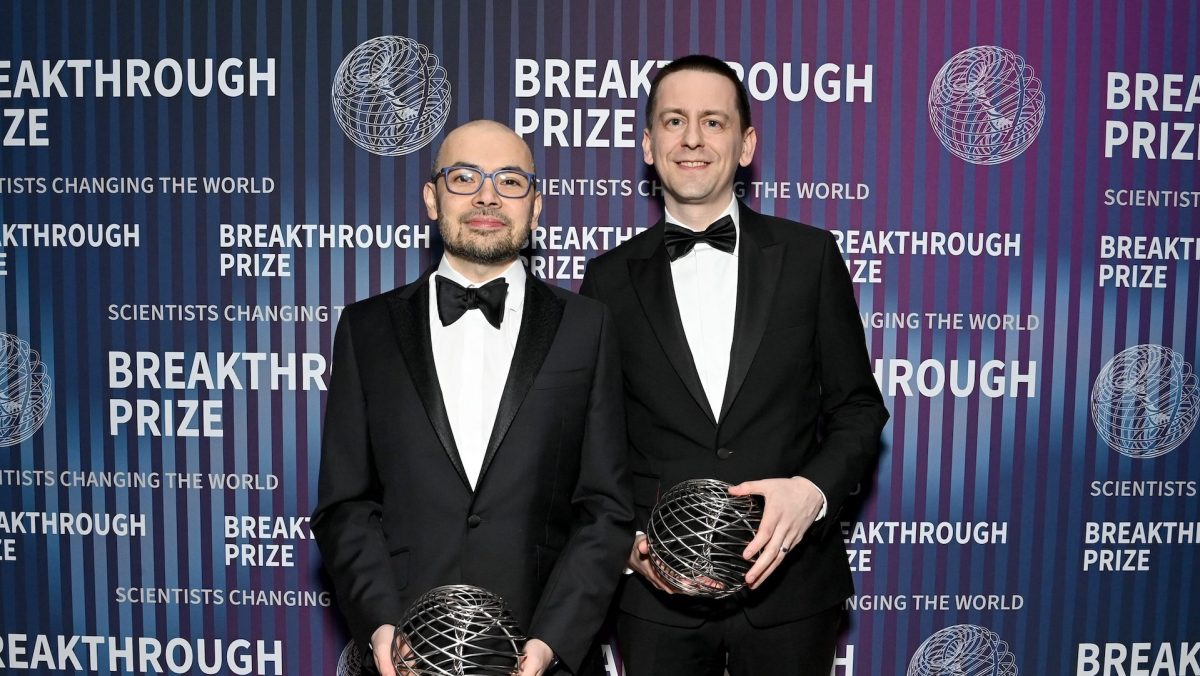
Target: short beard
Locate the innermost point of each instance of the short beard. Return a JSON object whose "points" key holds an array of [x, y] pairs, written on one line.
{"points": [[491, 251]]}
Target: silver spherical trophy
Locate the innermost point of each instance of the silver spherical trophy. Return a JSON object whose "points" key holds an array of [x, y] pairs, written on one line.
{"points": [[697, 534], [457, 630]]}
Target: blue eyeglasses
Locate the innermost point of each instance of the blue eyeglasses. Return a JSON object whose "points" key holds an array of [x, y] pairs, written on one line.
{"points": [[509, 183]]}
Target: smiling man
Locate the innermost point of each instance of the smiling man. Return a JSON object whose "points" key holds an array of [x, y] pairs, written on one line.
{"points": [[474, 431], [744, 360]]}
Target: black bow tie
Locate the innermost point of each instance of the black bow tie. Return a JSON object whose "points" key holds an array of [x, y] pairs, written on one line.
{"points": [[454, 299], [721, 235]]}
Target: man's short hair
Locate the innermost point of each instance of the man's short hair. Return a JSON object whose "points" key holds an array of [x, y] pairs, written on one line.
{"points": [[707, 64]]}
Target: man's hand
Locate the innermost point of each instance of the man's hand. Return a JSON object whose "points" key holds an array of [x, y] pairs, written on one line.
{"points": [[536, 657], [639, 561], [381, 649], [789, 507]]}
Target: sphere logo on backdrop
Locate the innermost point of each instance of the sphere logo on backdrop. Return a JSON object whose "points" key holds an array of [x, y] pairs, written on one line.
{"points": [[350, 661], [391, 95], [25, 391], [1145, 401], [985, 105], [963, 650]]}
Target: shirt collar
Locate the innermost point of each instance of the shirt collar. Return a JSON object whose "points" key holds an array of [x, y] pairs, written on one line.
{"points": [[731, 210], [514, 274]]}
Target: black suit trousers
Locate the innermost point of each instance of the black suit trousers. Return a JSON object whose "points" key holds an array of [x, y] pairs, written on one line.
{"points": [[730, 642]]}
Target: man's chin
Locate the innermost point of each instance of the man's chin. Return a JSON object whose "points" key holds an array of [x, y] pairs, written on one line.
{"points": [[484, 256], [691, 194]]}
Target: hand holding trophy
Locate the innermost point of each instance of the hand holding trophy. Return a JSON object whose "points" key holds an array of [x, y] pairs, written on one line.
{"points": [[697, 534], [456, 630]]}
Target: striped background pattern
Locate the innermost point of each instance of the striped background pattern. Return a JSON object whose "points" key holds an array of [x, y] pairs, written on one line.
{"points": [[1025, 461]]}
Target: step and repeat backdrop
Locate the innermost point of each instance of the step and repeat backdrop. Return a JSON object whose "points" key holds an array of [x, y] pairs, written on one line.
{"points": [[190, 193]]}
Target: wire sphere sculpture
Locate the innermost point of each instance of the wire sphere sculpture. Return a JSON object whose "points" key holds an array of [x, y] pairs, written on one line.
{"points": [[986, 105], [963, 650], [457, 630], [391, 95], [25, 390], [697, 534], [350, 662], [1146, 402]]}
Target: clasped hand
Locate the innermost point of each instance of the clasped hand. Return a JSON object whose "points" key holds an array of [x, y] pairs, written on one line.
{"points": [[790, 506]]}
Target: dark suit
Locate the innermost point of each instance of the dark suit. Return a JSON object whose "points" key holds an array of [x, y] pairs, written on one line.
{"points": [[800, 399], [548, 525]]}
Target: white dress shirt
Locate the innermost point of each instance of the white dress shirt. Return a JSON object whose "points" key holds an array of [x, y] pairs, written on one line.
{"points": [[706, 281], [472, 359], [706, 291]]}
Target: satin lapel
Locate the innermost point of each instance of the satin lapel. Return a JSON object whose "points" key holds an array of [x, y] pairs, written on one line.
{"points": [[759, 263], [539, 324], [410, 318], [656, 292]]}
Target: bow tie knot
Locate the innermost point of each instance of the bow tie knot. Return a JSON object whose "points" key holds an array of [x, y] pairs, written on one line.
{"points": [[721, 235], [454, 300], [472, 298]]}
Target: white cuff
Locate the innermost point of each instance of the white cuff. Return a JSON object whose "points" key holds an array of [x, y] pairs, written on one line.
{"points": [[824, 500], [629, 571]]}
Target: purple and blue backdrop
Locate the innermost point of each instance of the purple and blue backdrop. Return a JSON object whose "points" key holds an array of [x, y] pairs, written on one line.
{"points": [[190, 193]]}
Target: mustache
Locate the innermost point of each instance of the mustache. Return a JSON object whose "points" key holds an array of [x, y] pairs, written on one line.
{"points": [[485, 213]]}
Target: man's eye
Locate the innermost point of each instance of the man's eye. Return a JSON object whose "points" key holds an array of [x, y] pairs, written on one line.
{"points": [[674, 122], [713, 124], [463, 178]]}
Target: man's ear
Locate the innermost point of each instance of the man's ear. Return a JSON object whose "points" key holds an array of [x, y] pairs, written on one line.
{"points": [[537, 211], [429, 194], [749, 142]]}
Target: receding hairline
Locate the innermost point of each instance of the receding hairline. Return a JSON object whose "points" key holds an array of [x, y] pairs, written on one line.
{"points": [[482, 125]]}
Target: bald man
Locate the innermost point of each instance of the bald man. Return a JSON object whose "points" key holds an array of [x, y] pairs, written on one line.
{"points": [[474, 430]]}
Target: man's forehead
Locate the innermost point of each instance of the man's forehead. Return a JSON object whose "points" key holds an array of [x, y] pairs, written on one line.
{"points": [[485, 146], [696, 92], [696, 85]]}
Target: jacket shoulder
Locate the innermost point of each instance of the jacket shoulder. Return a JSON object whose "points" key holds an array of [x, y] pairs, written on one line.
{"points": [[576, 303], [377, 305], [640, 245], [786, 230]]}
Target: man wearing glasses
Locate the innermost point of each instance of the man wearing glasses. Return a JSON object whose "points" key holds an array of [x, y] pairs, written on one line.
{"points": [[474, 430]]}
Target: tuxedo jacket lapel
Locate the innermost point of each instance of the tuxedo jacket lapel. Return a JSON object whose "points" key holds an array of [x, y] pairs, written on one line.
{"points": [[539, 324], [410, 318], [656, 292], [759, 264]]}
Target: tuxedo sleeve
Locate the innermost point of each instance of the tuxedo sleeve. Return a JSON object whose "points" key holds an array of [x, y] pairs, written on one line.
{"points": [[346, 522], [576, 597], [852, 408]]}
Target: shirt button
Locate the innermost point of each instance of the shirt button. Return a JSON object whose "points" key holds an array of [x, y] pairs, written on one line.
{"points": [[474, 520], [724, 453]]}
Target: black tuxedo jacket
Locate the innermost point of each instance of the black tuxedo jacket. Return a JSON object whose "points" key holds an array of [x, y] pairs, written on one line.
{"points": [[549, 523], [800, 399]]}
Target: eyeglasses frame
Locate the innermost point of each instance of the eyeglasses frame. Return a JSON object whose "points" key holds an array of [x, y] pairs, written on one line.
{"points": [[444, 173]]}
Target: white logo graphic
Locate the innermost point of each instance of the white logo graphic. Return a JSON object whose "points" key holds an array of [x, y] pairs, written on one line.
{"points": [[985, 105], [1145, 401], [963, 650], [350, 662], [391, 96], [25, 391]]}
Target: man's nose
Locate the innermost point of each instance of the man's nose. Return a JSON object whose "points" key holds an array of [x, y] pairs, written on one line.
{"points": [[487, 195]]}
